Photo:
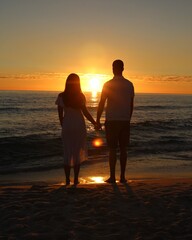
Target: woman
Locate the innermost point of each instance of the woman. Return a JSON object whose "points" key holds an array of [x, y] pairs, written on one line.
{"points": [[71, 108]]}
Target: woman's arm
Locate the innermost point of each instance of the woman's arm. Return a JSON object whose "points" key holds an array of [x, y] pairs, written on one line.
{"points": [[87, 114], [60, 113]]}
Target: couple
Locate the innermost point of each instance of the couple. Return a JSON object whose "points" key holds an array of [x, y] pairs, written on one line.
{"points": [[119, 94]]}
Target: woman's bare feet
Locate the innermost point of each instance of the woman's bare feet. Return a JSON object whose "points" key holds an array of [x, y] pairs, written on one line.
{"points": [[67, 182], [76, 182]]}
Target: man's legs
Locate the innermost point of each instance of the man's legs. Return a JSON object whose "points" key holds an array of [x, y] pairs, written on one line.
{"points": [[112, 164], [123, 143], [112, 140], [123, 162]]}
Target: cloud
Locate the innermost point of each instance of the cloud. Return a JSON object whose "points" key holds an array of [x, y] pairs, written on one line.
{"points": [[163, 79]]}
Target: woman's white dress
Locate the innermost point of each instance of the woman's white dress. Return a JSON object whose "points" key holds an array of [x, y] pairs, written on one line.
{"points": [[73, 135]]}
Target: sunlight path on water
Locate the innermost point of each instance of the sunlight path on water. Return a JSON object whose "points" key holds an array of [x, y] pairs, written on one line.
{"points": [[93, 179]]}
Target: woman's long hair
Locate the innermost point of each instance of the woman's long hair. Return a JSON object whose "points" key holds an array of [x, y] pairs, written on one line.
{"points": [[73, 96]]}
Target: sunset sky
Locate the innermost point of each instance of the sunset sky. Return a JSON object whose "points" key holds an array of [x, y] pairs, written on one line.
{"points": [[43, 41]]}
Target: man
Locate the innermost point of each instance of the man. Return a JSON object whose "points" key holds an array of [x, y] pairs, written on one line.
{"points": [[119, 94]]}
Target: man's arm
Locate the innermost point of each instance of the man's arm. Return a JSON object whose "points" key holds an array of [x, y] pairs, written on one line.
{"points": [[101, 106], [132, 101], [132, 105]]}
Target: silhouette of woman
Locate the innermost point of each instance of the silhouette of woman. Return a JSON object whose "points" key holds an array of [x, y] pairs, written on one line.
{"points": [[71, 110]]}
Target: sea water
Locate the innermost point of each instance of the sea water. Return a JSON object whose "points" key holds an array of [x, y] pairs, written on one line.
{"points": [[30, 134]]}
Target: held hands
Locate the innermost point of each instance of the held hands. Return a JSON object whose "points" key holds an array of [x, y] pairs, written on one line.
{"points": [[97, 126]]}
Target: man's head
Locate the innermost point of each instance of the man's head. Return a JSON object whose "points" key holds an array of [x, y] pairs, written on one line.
{"points": [[118, 67]]}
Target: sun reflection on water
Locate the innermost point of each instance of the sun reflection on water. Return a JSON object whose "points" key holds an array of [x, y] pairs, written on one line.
{"points": [[92, 180], [97, 179], [94, 96]]}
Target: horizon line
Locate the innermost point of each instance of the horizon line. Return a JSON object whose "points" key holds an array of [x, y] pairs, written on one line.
{"points": [[34, 90]]}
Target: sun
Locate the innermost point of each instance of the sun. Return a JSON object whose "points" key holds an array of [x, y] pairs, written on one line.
{"points": [[94, 84]]}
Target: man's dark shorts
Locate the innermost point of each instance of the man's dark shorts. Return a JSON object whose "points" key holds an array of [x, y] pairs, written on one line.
{"points": [[117, 133]]}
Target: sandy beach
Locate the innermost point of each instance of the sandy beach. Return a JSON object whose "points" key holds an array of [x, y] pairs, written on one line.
{"points": [[139, 209]]}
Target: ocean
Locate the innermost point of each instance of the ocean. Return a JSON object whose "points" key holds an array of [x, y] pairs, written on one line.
{"points": [[161, 133]]}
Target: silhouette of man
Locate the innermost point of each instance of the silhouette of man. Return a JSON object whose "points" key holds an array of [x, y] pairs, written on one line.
{"points": [[119, 95]]}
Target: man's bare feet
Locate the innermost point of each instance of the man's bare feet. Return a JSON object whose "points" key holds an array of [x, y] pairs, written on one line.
{"points": [[123, 180], [110, 180]]}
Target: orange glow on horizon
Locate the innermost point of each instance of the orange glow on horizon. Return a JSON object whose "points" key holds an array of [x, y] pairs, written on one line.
{"points": [[92, 82]]}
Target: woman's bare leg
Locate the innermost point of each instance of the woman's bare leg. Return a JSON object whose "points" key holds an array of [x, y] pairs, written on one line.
{"points": [[76, 174], [67, 174]]}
